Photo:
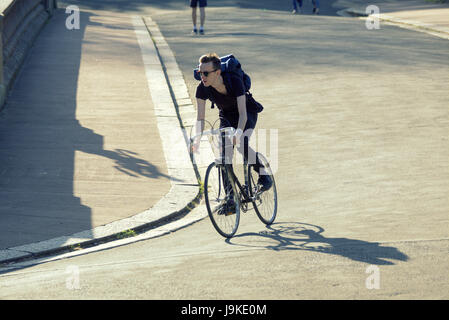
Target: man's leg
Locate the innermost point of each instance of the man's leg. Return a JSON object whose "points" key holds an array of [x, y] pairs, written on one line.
{"points": [[295, 8], [250, 156], [227, 149], [202, 18], [194, 19], [316, 6], [202, 15], [248, 153]]}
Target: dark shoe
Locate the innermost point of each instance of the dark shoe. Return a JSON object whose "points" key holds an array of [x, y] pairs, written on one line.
{"points": [[265, 182], [227, 208], [202, 32], [195, 31]]}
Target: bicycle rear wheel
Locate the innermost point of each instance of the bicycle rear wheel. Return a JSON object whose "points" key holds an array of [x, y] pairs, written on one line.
{"points": [[266, 202], [215, 197]]}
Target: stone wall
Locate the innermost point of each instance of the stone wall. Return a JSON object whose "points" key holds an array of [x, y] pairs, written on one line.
{"points": [[20, 23]]}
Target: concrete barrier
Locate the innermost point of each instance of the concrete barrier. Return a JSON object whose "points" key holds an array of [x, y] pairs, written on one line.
{"points": [[20, 23]]}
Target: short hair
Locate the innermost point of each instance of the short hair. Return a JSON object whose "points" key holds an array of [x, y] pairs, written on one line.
{"points": [[211, 57]]}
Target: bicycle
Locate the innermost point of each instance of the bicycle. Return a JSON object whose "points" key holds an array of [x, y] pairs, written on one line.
{"points": [[221, 184]]}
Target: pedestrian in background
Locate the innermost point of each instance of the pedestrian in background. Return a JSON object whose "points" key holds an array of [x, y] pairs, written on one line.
{"points": [[202, 4], [298, 9], [295, 6], [316, 6]]}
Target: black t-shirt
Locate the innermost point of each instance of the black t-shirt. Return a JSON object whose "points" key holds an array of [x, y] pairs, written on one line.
{"points": [[227, 104]]}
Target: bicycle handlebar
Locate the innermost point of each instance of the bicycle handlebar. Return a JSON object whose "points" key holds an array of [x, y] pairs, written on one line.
{"points": [[216, 131]]}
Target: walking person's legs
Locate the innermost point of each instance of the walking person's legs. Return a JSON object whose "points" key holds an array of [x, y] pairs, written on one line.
{"points": [[195, 30], [316, 6], [295, 6], [203, 5], [202, 19], [193, 5]]}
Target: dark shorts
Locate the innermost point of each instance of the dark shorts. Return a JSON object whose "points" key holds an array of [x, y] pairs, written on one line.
{"points": [[232, 120], [194, 3], [248, 153]]}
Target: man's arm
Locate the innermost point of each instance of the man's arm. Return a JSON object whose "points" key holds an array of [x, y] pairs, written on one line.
{"points": [[200, 115], [241, 105], [199, 127]]}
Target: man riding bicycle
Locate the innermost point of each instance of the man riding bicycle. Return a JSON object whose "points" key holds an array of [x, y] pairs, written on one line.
{"points": [[237, 109]]}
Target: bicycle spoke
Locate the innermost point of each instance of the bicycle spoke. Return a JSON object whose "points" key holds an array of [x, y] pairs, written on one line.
{"points": [[217, 200], [266, 201]]}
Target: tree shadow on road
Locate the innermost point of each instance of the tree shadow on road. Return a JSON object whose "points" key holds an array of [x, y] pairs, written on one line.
{"points": [[49, 188], [303, 236], [128, 162]]}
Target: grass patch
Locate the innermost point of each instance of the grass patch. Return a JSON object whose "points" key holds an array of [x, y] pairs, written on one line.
{"points": [[126, 234], [437, 1]]}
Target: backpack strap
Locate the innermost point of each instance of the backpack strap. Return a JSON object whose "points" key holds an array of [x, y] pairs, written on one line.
{"points": [[209, 97], [228, 84]]}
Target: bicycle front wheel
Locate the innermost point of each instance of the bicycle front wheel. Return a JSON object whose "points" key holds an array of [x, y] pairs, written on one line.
{"points": [[266, 202], [216, 197]]}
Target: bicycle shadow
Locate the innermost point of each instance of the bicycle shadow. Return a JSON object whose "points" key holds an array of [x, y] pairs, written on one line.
{"points": [[303, 236]]}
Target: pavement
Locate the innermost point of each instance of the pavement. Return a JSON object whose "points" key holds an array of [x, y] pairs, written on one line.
{"points": [[84, 160], [88, 139]]}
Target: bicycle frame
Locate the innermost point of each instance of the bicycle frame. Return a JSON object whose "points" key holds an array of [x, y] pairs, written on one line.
{"points": [[232, 195], [245, 190], [246, 194]]}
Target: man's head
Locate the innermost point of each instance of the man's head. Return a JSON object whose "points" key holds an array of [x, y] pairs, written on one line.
{"points": [[210, 68]]}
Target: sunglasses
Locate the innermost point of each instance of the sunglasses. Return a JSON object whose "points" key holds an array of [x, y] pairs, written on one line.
{"points": [[206, 73]]}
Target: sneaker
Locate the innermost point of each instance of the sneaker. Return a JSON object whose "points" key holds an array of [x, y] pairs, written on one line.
{"points": [[227, 208], [316, 10], [265, 182], [294, 11], [201, 31], [194, 31]]}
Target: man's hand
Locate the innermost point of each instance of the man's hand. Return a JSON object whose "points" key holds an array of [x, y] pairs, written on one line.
{"points": [[195, 145]]}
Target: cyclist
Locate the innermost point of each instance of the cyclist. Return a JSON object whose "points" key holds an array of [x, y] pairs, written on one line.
{"points": [[237, 109]]}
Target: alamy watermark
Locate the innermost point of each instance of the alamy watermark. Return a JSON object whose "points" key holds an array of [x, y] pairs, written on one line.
{"points": [[72, 282], [222, 147], [73, 20], [373, 280], [372, 22]]}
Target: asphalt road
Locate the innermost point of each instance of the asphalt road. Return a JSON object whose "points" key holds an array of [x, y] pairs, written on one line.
{"points": [[362, 171]]}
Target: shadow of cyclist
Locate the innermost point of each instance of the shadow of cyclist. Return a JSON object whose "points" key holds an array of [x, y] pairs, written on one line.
{"points": [[303, 236]]}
